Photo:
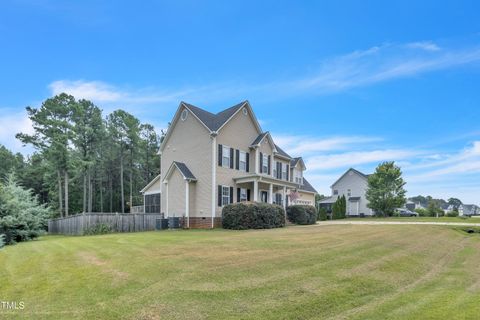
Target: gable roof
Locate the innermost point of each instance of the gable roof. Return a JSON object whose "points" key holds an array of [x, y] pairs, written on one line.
{"points": [[307, 186], [151, 183], [183, 169], [365, 176], [214, 121], [282, 153], [295, 161], [260, 138]]}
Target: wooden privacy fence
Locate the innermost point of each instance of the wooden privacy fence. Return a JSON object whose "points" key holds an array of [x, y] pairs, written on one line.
{"points": [[118, 222]]}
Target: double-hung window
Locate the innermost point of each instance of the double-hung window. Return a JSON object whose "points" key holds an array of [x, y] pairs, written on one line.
{"points": [[284, 171], [243, 194], [275, 169], [243, 161], [226, 157], [265, 163], [225, 195]]}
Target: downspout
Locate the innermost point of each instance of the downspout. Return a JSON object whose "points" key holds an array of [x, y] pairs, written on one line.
{"points": [[213, 136]]}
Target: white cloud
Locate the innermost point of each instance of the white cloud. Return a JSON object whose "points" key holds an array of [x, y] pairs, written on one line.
{"points": [[424, 45], [381, 63], [10, 125], [91, 90], [304, 145], [351, 159]]}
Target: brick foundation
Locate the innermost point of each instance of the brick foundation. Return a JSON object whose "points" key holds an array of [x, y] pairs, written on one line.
{"points": [[201, 222]]}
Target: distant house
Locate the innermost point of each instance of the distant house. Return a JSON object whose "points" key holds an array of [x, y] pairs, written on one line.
{"points": [[353, 185], [468, 210], [412, 206], [210, 160]]}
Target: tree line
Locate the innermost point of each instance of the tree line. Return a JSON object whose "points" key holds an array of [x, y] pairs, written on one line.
{"points": [[85, 161]]}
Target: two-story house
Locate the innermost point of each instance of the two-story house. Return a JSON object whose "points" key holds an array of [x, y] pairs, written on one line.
{"points": [[211, 160], [353, 185]]}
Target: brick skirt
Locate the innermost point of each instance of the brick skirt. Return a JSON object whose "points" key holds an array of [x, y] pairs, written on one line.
{"points": [[201, 222]]}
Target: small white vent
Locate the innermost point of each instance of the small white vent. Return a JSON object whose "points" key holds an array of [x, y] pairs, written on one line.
{"points": [[184, 115], [245, 111]]}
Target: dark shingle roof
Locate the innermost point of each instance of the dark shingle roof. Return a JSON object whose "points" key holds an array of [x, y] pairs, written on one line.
{"points": [[282, 152], [307, 186], [259, 138], [187, 174], [294, 161], [214, 121]]}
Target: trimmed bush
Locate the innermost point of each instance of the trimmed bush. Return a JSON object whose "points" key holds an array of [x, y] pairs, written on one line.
{"points": [[243, 216], [303, 215]]}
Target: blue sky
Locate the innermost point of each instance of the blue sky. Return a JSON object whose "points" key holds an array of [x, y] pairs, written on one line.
{"points": [[342, 83]]}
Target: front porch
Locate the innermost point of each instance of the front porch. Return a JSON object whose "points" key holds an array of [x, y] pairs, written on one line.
{"points": [[264, 189]]}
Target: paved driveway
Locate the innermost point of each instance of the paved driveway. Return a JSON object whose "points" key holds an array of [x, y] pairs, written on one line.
{"points": [[343, 222]]}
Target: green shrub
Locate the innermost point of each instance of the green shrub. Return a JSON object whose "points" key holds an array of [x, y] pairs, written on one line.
{"points": [[97, 229], [22, 218], [452, 213], [322, 214], [339, 208], [303, 215], [422, 212], [243, 216]]}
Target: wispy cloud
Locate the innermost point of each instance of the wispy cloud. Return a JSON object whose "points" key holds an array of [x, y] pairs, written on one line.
{"points": [[306, 145], [382, 63], [359, 68]]}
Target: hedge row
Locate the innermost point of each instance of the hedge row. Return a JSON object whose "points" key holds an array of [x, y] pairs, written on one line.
{"points": [[242, 216], [300, 214]]}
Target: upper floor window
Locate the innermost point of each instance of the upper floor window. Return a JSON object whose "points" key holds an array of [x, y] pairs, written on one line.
{"points": [[265, 163], [225, 195], [243, 161], [349, 192], [275, 174], [226, 157], [335, 192], [284, 171]]}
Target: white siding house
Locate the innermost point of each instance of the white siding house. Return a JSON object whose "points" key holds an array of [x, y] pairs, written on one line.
{"points": [[353, 185]]}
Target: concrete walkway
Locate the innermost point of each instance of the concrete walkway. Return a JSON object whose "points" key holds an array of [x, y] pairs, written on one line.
{"points": [[349, 222]]}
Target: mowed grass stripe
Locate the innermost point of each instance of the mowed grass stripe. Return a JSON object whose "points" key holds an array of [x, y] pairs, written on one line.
{"points": [[337, 272]]}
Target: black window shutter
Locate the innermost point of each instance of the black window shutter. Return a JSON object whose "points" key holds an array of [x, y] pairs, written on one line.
{"points": [[238, 194], [288, 172], [248, 162], [237, 159], [219, 195], [231, 194], [231, 158], [248, 194], [261, 162], [269, 162], [220, 154]]}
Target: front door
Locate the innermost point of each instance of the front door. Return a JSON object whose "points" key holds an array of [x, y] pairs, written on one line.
{"points": [[264, 196]]}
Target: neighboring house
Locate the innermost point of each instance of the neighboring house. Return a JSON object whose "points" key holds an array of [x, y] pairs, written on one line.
{"points": [[353, 185], [468, 210], [210, 160], [412, 206]]}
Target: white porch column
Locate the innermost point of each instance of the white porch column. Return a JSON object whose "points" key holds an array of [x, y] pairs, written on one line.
{"points": [[270, 194], [187, 203], [166, 199], [285, 198], [255, 190]]}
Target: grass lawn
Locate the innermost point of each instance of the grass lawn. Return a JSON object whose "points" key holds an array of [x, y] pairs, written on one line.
{"points": [[419, 219], [328, 272]]}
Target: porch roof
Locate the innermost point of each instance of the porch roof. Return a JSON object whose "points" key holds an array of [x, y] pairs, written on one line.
{"points": [[265, 179]]}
